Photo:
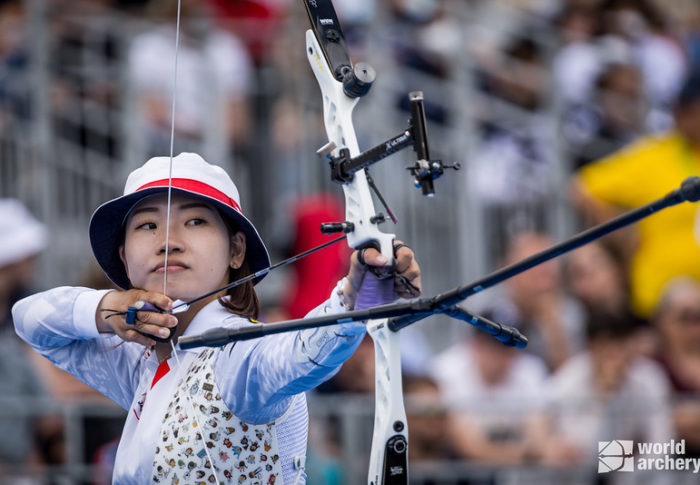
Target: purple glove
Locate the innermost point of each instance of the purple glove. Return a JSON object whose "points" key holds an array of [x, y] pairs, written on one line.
{"points": [[374, 292]]}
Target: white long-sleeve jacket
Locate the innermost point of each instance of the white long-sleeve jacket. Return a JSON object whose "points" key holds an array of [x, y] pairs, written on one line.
{"points": [[252, 387]]}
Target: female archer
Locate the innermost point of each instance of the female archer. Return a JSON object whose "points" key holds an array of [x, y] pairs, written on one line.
{"points": [[235, 414]]}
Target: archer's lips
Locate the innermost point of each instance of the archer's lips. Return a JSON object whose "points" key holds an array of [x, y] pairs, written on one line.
{"points": [[173, 267]]}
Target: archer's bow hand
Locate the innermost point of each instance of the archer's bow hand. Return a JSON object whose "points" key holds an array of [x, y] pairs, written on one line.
{"points": [[363, 289]]}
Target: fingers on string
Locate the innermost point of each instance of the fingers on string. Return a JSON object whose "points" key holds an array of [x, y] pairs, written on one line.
{"points": [[146, 318], [404, 256], [155, 323], [154, 318], [407, 280], [159, 300]]}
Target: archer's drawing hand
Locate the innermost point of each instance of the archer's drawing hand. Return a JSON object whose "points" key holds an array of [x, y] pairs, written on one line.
{"points": [[406, 274], [111, 316]]}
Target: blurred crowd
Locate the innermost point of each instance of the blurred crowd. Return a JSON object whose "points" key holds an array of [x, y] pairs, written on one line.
{"points": [[603, 93]]}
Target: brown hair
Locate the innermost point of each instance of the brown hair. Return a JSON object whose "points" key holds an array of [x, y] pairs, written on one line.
{"points": [[242, 299]]}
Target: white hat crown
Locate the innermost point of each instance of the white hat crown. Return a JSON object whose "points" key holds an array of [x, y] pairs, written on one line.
{"points": [[185, 166]]}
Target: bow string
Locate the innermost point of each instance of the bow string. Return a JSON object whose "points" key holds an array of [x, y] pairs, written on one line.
{"points": [[173, 347]]}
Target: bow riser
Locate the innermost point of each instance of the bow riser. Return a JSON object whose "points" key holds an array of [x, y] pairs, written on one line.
{"points": [[389, 453], [388, 463], [337, 115]]}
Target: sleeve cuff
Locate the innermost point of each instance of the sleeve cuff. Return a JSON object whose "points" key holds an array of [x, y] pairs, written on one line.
{"points": [[336, 303], [84, 311]]}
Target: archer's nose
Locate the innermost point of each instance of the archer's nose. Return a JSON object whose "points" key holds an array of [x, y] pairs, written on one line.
{"points": [[174, 242]]}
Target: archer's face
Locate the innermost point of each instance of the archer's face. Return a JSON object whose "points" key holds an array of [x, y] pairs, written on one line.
{"points": [[200, 247]]}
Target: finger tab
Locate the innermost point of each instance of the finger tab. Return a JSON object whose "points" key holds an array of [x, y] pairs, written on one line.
{"points": [[146, 306], [130, 317]]}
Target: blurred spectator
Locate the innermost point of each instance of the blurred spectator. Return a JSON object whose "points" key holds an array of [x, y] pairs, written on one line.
{"points": [[612, 120], [354, 380], [412, 51], [356, 376], [597, 42], [536, 302], [355, 17], [658, 53], [424, 37], [22, 238], [519, 76], [83, 58], [677, 320], [14, 96], [514, 160], [257, 22], [426, 416], [494, 394], [608, 392], [213, 79], [320, 271], [693, 37], [666, 244], [577, 63], [596, 277]]}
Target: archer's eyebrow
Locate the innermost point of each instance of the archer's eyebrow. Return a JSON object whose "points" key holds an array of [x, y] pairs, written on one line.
{"points": [[195, 205], [141, 209]]}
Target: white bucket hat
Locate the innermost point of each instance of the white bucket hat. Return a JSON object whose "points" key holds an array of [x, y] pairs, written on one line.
{"points": [[191, 175]]}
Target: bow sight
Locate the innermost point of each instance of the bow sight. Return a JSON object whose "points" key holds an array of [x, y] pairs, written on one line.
{"points": [[343, 167]]}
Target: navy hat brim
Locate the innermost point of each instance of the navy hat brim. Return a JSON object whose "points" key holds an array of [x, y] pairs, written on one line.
{"points": [[107, 222]]}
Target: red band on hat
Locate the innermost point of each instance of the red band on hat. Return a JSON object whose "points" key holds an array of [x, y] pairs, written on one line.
{"points": [[197, 187]]}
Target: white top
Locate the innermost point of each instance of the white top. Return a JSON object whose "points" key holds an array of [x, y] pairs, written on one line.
{"points": [[258, 379], [639, 409], [503, 404], [220, 65], [575, 68]]}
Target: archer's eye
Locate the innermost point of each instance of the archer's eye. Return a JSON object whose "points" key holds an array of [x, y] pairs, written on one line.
{"points": [[196, 221], [149, 226]]}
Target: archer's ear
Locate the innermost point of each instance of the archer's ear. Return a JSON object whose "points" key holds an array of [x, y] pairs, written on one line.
{"points": [[238, 248], [122, 256]]}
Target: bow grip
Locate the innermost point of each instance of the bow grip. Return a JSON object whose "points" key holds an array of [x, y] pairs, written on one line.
{"points": [[381, 272]]}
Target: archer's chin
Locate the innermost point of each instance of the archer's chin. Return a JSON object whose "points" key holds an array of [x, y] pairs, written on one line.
{"points": [[184, 290]]}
